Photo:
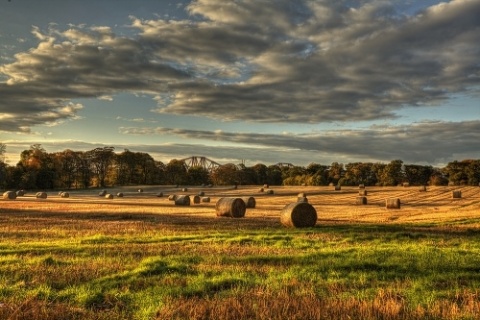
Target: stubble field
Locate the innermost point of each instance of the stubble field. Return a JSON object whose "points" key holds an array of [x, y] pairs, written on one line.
{"points": [[142, 257]]}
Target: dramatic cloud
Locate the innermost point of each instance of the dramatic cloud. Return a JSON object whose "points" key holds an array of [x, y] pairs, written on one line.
{"points": [[432, 142], [295, 61]]}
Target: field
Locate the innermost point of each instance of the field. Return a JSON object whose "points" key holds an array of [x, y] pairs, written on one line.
{"points": [[142, 257]]}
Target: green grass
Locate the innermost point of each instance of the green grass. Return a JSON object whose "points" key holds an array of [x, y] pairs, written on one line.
{"points": [[91, 272]]}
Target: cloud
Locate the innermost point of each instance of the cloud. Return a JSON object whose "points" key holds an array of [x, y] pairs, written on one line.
{"points": [[315, 61], [431, 142]]}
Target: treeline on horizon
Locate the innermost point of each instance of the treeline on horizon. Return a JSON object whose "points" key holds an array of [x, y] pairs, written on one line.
{"points": [[102, 167]]}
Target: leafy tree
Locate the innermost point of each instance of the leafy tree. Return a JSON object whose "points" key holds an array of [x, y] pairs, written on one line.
{"points": [[274, 175], [101, 160], [418, 175], [260, 171], [456, 172], [198, 175], [176, 172], [225, 175], [335, 172]]}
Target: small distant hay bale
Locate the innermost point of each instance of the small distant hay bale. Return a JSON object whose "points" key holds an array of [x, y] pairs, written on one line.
{"points": [[302, 195], [422, 188], [302, 199], [235, 187], [230, 207], [172, 197], [270, 191], [392, 203], [201, 193], [160, 194], [298, 215], [102, 193], [120, 194], [20, 193], [331, 184], [65, 195], [205, 199], [361, 200], [184, 189], [361, 186], [260, 190], [457, 194], [109, 196], [9, 195], [41, 195], [182, 200], [362, 192], [265, 185], [60, 193], [250, 202], [406, 184], [338, 187], [140, 190], [196, 199]]}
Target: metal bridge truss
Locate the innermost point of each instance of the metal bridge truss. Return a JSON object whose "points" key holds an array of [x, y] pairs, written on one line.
{"points": [[204, 162]]}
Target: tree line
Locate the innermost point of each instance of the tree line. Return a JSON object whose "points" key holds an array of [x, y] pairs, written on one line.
{"points": [[102, 167]]}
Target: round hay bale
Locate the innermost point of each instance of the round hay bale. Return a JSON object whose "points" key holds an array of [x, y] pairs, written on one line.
{"points": [[361, 186], [109, 196], [41, 195], [302, 199], [160, 194], [392, 203], [140, 190], [196, 199], [270, 191], [120, 194], [201, 193], [260, 190], [9, 195], [20, 193], [249, 202], [265, 186], [230, 207], [298, 215], [457, 194], [362, 192], [184, 189], [172, 197], [338, 187], [205, 199], [60, 193], [102, 193], [361, 200], [406, 184], [182, 200], [302, 195], [422, 189], [65, 195]]}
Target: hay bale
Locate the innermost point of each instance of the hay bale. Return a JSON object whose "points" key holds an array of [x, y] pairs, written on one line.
{"points": [[230, 207], [362, 192], [298, 215], [184, 189], [109, 196], [140, 190], [201, 193], [392, 203], [265, 186], [64, 195], [102, 193], [249, 202], [406, 184], [361, 186], [302, 195], [361, 200], [172, 197], [270, 191], [9, 195], [422, 189], [20, 193], [206, 199], [260, 190], [302, 199], [41, 195], [182, 200], [196, 199], [457, 194], [160, 194], [338, 187], [120, 194]]}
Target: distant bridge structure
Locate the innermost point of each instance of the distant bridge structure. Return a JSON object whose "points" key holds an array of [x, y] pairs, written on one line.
{"points": [[284, 165], [200, 161]]}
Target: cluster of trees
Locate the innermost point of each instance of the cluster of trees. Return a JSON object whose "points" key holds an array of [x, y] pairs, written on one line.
{"points": [[102, 167]]}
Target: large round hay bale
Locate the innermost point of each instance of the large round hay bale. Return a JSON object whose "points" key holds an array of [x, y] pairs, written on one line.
{"points": [[182, 200], [102, 193], [230, 207], [172, 197], [298, 215], [392, 203], [196, 199], [9, 195], [109, 196], [302, 199], [249, 202], [20, 193], [41, 195], [362, 192], [205, 199], [65, 195], [457, 194], [120, 194], [361, 200]]}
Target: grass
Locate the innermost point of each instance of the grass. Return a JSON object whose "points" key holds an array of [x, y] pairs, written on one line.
{"points": [[144, 258]]}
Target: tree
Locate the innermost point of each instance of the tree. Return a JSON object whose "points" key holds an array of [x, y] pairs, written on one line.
{"points": [[198, 175], [392, 174], [176, 172], [335, 172], [418, 175], [101, 159], [225, 175]]}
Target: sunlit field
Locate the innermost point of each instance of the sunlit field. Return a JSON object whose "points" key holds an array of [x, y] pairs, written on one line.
{"points": [[143, 257]]}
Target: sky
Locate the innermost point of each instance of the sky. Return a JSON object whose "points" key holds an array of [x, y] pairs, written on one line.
{"points": [[252, 81]]}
